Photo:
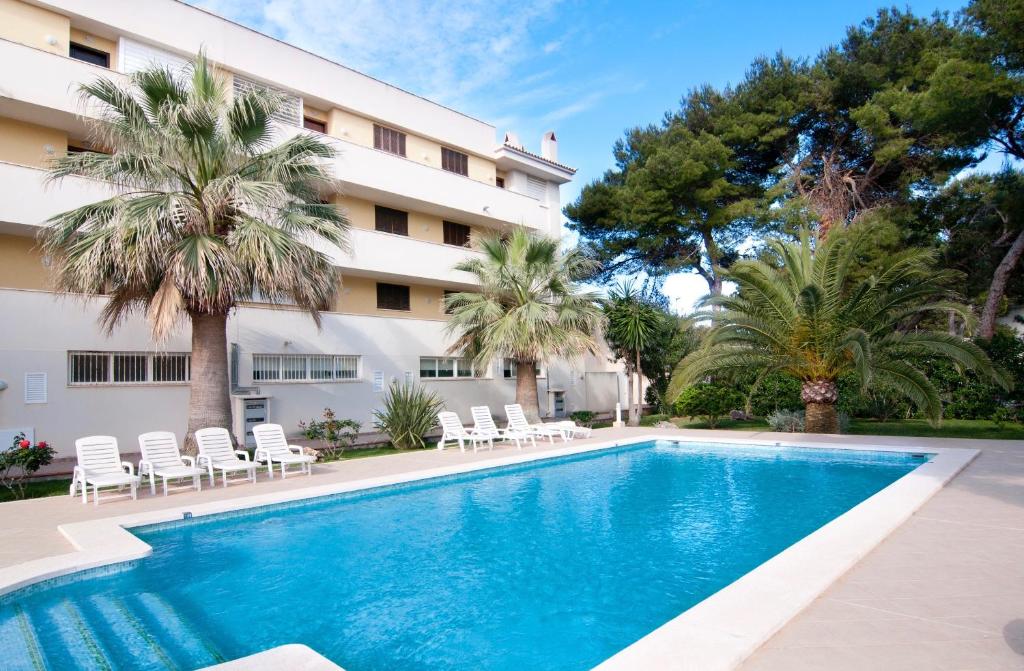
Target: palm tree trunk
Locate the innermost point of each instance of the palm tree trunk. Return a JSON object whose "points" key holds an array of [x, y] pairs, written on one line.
{"points": [[997, 288], [634, 393], [210, 402], [819, 397], [526, 389]]}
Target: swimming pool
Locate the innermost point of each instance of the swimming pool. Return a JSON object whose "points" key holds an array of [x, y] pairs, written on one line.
{"points": [[557, 564]]}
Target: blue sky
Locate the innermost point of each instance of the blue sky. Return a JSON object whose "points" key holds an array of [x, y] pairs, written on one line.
{"points": [[587, 70]]}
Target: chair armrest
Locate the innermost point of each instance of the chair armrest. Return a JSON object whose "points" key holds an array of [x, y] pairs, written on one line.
{"points": [[189, 460], [261, 454], [243, 454], [131, 469], [203, 459]]}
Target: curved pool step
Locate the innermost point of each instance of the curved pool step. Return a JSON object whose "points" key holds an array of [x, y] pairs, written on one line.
{"points": [[68, 640], [183, 641], [19, 647], [126, 636]]}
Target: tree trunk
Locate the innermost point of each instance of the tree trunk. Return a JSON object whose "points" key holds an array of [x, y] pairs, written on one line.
{"points": [[997, 289], [629, 392], [209, 402], [635, 394], [526, 389], [819, 397]]}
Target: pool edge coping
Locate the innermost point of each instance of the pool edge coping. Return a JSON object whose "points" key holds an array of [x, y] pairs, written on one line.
{"points": [[717, 633]]}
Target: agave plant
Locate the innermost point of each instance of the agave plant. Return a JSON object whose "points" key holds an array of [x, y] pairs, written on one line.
{"points": [[409, 413], [208, 210], [803, 313], [528, 308]]}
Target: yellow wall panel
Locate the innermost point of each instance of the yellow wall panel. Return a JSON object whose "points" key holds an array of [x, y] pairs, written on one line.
{"points": [[21, 264], [32, 26], [26, 143]]}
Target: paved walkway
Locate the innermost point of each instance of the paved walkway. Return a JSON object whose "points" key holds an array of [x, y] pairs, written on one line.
{"points": [[945, 591]]}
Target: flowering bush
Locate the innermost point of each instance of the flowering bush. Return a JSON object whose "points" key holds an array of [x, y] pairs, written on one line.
{"points": [[334, 434], [22, 459]]}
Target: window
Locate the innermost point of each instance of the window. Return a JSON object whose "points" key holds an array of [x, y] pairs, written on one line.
{"points": [[391, 221], [454, 161], [304, 367], [392, 297], [444, 303], [309, 123], [90, 368], [499, 182], [508, 369], [389, 140], [456, 234], [80, 52], [446, 368]]}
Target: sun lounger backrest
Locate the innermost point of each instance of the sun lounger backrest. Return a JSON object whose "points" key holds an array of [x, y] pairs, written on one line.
{"points": [[270, 437], [160, 448], [215, 443], [98, 455], [516, 416], [451, 424], [482, 418]]}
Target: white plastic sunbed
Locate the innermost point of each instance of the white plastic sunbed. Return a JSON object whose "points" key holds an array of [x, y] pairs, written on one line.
{"points": [[454, 431], [218, 453], [517, 421], [273, 448], [483, 425], [571, 429], [100, 465], [161, 458]]}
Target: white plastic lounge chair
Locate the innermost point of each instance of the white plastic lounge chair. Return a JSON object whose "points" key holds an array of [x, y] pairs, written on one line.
{"points": [[272, 447], [162, 459], [483, 425], [517, 421], [217, 452], [571, 429], [100, 465], [454, 431]]}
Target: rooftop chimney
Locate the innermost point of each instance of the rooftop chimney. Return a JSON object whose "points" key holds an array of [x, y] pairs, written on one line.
{"points": [[512, 139], [549, 146]]}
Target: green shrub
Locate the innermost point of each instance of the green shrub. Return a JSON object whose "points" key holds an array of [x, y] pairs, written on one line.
{"points": [[583, 417], [409, 412], [708, 401], [777, 391], [335, 435]]}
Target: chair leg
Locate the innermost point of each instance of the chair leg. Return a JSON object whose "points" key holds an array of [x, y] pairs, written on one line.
{"points": [[152, 483], [96, 495], [197, 482], [165, 485], [224, 474], [135, 491], [85, 492]]}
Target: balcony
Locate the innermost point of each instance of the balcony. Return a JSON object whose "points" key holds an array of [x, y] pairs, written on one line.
{"points": [[26, 202], [42, 90]]}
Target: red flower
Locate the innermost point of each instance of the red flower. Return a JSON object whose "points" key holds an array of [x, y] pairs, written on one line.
{"points": [[24, 444], [41, 445]]}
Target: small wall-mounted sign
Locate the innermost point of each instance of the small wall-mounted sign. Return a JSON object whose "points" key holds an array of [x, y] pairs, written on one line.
{"points": [[378, 381]]}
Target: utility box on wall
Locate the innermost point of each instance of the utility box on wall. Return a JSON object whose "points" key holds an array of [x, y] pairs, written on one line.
{"points": [[248, 411]]}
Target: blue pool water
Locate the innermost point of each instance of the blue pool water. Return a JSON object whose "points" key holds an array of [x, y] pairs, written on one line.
{"points": [[555, 565]]}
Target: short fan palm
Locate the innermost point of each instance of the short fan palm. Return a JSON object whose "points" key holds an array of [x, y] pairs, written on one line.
{"points": [[634, 324], [208, 210], [806, 315], [528, 308]]}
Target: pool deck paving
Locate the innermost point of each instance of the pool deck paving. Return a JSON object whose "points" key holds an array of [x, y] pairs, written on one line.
{"points": [[944, 591]]}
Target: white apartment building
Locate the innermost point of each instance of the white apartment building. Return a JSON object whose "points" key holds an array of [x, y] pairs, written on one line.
{"points": [[418, 181]]}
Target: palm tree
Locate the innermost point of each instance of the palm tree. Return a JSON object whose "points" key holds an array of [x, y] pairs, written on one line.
{"points": [[633, 326], [208, 210], [528, 308], [806, 315]]}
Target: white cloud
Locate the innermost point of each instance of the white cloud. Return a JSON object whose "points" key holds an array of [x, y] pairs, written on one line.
{"points": [[451, 52]]}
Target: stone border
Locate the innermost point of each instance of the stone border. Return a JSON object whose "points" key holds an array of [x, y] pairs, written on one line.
{"points": [[717, 633]]}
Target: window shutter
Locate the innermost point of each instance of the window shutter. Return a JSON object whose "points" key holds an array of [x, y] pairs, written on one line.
{"points": [[35, 387], [536, 188], [290, 112], [135, 56]]}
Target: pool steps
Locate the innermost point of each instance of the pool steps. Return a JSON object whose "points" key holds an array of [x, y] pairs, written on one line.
{"points": [[67, 631]]}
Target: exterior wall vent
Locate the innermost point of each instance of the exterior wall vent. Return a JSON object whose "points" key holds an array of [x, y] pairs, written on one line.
{"points": [[35, 387]]}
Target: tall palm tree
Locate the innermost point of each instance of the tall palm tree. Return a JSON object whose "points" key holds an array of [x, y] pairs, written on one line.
{"points": [[528, 308], [209, 209], [804, 314], [633, 325]]}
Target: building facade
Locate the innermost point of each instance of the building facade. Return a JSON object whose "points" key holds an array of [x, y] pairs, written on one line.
{"points": [[417, 180]]}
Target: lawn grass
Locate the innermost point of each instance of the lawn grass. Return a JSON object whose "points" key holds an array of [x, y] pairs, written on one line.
{"points": [[38, 489]]}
